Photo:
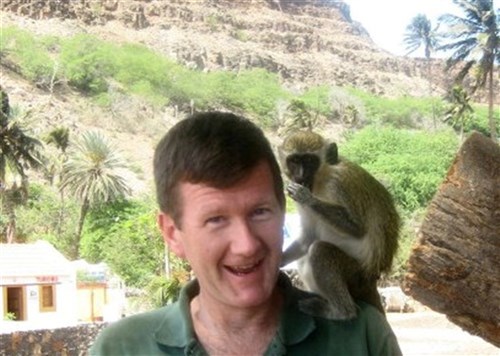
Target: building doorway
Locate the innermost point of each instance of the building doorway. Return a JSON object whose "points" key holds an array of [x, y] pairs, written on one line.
{"points": [[15, 302]]}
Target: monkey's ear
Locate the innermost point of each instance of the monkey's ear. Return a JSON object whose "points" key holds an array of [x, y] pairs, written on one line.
{"points": [[332, 154]]}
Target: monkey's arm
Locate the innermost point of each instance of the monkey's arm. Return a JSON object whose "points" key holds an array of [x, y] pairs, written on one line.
{"points": [[335, 215], [295, 251]]}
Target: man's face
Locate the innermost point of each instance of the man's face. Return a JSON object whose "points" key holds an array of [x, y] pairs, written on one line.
{"points": [[232, 238]]}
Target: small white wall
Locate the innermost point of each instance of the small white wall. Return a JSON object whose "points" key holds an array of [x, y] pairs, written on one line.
{"points": [[65, 313]]}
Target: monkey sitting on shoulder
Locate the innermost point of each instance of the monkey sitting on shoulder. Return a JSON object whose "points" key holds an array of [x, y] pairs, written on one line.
{"points": [[350, 226]]}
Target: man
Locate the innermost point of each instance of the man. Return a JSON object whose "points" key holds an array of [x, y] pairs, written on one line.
{"points": [[222, 208]]}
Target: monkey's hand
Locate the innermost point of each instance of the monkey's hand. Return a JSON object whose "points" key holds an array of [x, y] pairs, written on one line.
{"points": [[300, 194]]}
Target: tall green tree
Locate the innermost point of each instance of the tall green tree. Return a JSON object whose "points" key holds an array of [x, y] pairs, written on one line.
{"points": [[18, 153], [474, 40], [421, 33], [93, 173]]}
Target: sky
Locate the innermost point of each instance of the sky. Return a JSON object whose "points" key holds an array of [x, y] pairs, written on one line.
{"points": [[386, 20]]}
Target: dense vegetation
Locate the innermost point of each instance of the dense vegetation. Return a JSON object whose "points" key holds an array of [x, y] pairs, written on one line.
{"points": [[386, 136]]}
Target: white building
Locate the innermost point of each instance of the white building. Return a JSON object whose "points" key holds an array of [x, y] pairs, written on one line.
{"points": [[37, 285]]}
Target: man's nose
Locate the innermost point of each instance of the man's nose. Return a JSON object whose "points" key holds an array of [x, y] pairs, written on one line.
{"points": [[245, 241]]}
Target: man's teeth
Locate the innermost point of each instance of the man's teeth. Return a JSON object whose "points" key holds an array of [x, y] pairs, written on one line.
{"points": [[243, 269]]}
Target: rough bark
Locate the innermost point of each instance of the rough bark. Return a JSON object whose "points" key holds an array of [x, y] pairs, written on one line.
{"points": [[455, 266]]}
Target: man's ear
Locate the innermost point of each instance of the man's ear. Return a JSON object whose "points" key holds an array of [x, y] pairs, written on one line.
{"points": [[171, 234]]}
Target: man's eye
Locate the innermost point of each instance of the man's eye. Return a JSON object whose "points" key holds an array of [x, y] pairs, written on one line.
{"points": [[214, 220], [261, 213]]}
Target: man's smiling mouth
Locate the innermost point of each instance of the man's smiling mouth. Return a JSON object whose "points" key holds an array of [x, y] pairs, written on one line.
{"points": [[243, 270]]}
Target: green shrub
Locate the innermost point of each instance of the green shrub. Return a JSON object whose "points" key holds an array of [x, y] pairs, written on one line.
{"points": [[88, 63], [193, 86], [240, 35], [317, 99], [411, 163], [402, 112], [255, 91], [480, 122], [214, 22], [29, 54], [145, 72]]}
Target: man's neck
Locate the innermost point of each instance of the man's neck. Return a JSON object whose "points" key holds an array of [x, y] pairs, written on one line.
{"points": [[221, 329]]}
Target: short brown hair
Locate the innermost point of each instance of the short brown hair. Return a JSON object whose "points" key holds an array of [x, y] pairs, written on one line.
{"points": [[216, 148]]}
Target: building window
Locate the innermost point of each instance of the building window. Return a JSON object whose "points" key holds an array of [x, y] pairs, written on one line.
{"points": [[47, 298]]}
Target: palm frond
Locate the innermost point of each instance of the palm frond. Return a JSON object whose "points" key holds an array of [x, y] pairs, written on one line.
{"points": [[475, 41], [94, 169]]}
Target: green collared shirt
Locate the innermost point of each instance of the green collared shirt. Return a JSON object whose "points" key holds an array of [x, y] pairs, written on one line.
{"points": [[169, 331]]}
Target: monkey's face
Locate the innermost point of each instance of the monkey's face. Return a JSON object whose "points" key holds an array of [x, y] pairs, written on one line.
{"points": [[301, 168]]}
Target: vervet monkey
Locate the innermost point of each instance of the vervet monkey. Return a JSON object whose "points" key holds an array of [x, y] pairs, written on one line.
{"points": [[350, 226]]}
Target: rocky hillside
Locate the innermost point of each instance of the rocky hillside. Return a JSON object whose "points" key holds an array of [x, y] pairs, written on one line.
{"points": [[308, 42]]}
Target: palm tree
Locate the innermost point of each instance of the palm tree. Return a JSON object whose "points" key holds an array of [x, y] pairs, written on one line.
{"points": [[17, 150], [475, 41], [18, 153], [92, 174], [420, 33], [59, 137], [460, 110]]}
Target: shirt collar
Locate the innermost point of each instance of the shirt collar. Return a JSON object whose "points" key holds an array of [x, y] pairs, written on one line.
{"points": [[176, 329]]}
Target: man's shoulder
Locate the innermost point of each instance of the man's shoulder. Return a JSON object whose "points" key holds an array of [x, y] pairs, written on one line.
{"points": [[131, 331], [367, 316], [145, 320], [370, 315]]}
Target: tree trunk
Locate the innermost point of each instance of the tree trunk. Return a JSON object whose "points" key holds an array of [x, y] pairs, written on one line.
{"points": [[455, 267], [83, 213], [60, 215], [429, 78], [11, 227], [491, 114], [9, 207]]}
